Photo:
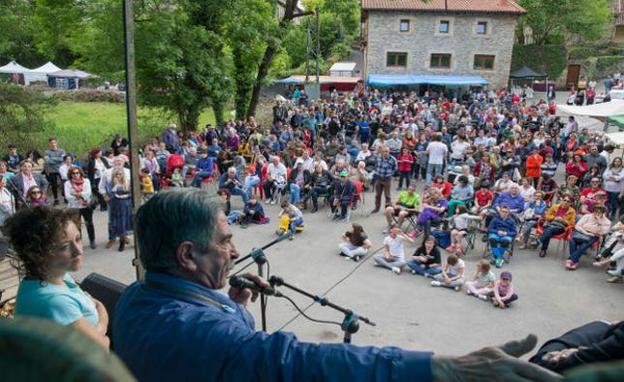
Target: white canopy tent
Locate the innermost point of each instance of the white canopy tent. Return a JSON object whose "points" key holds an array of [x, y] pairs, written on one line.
{"points": [[40, 73], [616, 138], [13, 68], [600, 110]]}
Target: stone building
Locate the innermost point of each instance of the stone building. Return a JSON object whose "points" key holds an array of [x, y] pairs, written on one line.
{"points": [[617, 6], [440, 42]]}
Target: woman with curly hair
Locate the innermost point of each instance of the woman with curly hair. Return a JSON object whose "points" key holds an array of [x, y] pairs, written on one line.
{"points": [[48, 244]]}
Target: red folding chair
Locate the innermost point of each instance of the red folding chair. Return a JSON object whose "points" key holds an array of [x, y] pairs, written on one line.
{"points": [[564, 237]]}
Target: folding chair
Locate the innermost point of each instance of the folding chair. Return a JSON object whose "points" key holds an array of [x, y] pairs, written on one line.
{"points": [[487, 253], [561, 238]]}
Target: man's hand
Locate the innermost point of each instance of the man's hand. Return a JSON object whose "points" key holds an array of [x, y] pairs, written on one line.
{"points": [[492, 364], [242, 295], [554, 357]]}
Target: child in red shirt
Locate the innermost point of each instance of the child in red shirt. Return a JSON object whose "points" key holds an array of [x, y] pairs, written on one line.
{"points": [[483, 200]]}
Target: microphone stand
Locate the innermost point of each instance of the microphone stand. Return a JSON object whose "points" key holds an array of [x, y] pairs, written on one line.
{"points": [[350, 323], [259, 257]]}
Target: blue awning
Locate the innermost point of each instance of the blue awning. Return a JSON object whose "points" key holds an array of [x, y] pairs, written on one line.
{"points": [[289, 80], [387, 80]]}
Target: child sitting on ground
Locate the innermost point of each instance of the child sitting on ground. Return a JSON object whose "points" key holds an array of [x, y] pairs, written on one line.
{"points": [[503, 293], [452, 275], [291, 220], [482, 281], [459, 222], [253, 213]]}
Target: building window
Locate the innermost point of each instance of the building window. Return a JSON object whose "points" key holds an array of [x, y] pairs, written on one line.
{"points": [[444, 27], [440, 61], [396, 59], [404, 26], [482, 27], [483, 62]]}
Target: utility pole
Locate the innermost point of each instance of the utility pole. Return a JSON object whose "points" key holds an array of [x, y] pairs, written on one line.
{"points": [[307, 63], [318, 44], [131, 111]]}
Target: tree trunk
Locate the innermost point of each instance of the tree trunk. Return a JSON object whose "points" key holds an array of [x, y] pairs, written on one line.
{"points": [[263, 70], [273, 45], [189, 118], [218, 108]]}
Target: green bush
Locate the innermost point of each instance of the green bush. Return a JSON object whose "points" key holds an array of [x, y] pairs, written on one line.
{"points": [[604, 63], [549, 59], [90, 95]]}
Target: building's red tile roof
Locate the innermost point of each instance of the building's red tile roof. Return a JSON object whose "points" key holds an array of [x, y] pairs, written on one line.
{"points": [[472, 6]]}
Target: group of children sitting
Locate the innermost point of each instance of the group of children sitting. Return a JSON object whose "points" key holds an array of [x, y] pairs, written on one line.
{"points": [[426, 261]]}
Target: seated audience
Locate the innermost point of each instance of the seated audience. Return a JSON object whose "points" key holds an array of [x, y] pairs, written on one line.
{"points": [[393, 256], [587, 231], [355, 244], [452, 275], [48, 244], [426, 260], [482, 282]]}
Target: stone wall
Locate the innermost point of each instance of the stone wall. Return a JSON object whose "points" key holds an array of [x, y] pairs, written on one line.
{"points": [[423, 39]]}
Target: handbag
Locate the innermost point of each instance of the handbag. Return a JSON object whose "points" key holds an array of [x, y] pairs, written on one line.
{"points": [[557, 224], [580, 236]]}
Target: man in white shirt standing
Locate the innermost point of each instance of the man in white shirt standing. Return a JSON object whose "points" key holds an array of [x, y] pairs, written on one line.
{"points": [[437, 155], [393, 256]]}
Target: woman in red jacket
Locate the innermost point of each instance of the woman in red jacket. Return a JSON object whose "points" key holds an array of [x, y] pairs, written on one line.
{"points": [[576, 167], [533, 165]]}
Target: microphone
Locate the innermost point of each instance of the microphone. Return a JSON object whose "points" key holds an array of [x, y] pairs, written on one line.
{"points": [[244, 282]]}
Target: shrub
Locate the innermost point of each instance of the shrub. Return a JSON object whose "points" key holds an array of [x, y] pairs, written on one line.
{"points": [[549, 59], [89, 95]]}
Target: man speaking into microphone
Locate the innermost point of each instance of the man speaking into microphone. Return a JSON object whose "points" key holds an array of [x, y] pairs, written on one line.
{"points": [[175, 325]]}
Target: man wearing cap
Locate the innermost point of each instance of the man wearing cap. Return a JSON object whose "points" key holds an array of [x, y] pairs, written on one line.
{"points": [[344, 192], [171, 139], [300, 179], [407, 204]]}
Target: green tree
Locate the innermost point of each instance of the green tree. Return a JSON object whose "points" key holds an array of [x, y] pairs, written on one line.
{"points": [[249, 22], [182, 64], [22, 115], [553, 21], [17, 33]]}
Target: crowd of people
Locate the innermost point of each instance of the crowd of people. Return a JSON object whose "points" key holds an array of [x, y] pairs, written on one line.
{"points": [[489, 164], [489, 161]]}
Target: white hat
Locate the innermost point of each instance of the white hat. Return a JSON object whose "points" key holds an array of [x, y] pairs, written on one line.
{"points": [[298, 161], [173, 126]]}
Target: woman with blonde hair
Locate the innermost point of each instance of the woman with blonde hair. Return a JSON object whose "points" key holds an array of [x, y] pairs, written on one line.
{"points": [[121, 207]]}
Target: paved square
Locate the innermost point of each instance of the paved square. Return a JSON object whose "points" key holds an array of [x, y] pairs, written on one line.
{"points": [[409, 313]]}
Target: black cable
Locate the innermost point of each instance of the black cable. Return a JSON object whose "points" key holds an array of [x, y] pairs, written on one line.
{"points": [[308, 317], [268, 276], [332, 287], [243, 268]]}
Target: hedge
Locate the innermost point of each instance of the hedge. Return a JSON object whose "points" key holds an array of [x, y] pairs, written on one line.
{"points": [[549, 59]]}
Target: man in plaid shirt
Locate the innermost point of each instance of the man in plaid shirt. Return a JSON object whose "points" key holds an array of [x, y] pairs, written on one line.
{"points": [[386, 167]]}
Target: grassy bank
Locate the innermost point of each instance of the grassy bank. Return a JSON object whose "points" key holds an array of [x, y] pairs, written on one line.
{"points": [[80, 127]]}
